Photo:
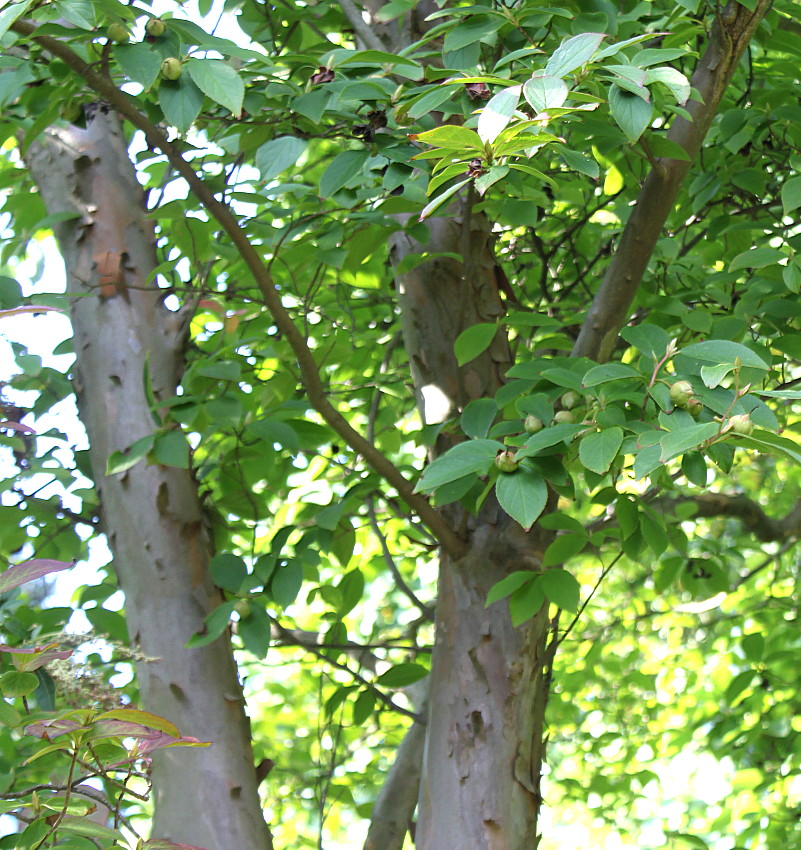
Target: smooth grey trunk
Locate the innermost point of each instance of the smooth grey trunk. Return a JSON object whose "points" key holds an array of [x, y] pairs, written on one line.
{"points": [[480, 783], [151, 513]]}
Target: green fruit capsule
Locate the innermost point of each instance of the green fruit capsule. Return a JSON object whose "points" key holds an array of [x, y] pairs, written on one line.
{"points": [[564, 417], [171, 69], [155, 27], [506, 461], [680, 393], [118, 33], [532, 425], [694, 406], [570, 400]]}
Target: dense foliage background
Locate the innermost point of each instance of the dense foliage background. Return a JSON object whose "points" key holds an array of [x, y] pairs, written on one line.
{"points": [[673, 714]]}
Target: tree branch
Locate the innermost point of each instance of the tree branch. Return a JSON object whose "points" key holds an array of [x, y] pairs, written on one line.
{"points": [[752, 516], [730, 35], [359, 25], [394, 807], [225, 218]]}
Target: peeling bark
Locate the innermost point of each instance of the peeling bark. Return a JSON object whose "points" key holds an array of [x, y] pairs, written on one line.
{"points": [[480, 784], [151, 513]]}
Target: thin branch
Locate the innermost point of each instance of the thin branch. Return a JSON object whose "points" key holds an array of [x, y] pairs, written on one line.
{"points": [[312, 382], [587, 601], [380, 695], [360, 26], [730, 35], [764, 528], [426, 610]]}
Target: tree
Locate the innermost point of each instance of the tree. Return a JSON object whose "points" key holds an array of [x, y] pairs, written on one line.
{"points": [[352, 220]]}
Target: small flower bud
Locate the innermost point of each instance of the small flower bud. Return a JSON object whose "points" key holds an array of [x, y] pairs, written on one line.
{"points": [[741, 424]]}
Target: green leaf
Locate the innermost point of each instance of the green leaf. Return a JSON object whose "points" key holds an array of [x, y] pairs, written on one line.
{"points": [[279, 154], [474, 456], [522, 494], [678, 84], [573, 53], [374, 57], [508, 585], [544, 92], [631, 112], [693, 465], [181, 101], [497, 113], [470, 32], [14, 684], [757, 258], [89, 829], [11, 13], [791, 195], [228, 571], [713, 376], [401, 675], [81, 13], [121, 461], [215, 624], [551, 436], [768, 443], [608, 372], [579, 162], [526, 602], [647, 338], [478, 416], [139, 62], [719, 351], [561, 588], [219, 82], [343, 168], [677, 442], [286, 582], [9, 716], [363, 706], [351, 588], [451, 137], [440, 199], [563, 548], [171, 448], [598, 450], [474, 341], [255, 631]]}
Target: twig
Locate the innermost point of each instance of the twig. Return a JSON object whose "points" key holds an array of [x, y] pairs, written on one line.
{"points": [[382, 697], [587, 601], [426, 610]]}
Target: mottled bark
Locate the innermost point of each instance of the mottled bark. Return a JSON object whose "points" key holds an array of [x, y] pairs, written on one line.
{"points": [[151, 513], [483, 748]]}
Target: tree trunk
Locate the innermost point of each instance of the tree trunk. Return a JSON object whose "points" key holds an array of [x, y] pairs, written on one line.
{"points": [[480, 785], [151, 513]]}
